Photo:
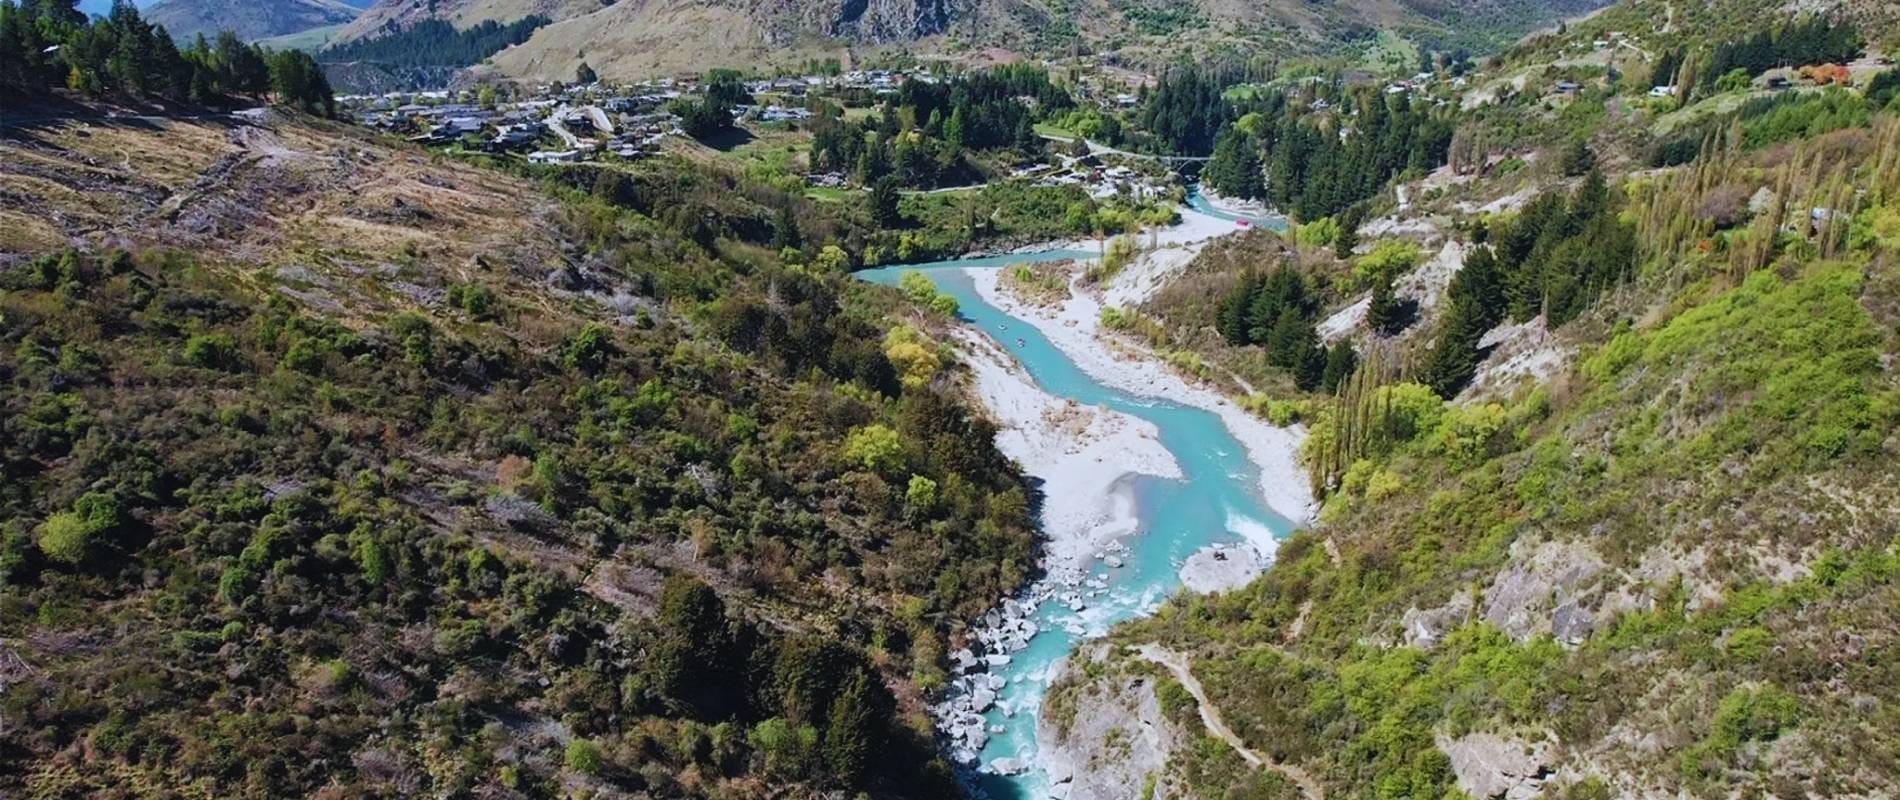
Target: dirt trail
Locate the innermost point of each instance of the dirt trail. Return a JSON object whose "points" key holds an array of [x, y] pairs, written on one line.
{"points": [[1210, 717]]}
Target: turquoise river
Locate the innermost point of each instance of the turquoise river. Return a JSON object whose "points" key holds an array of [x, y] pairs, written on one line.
{"points": [[1218, 501]]}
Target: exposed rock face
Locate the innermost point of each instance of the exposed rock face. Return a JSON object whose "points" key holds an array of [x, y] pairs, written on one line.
{"points": [[1221, 568], [1545, 582], [1492, 767], [867, 21], [1427, 627], [1118, 736]]}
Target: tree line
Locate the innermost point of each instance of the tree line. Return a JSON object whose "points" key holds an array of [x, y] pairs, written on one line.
{"points": [[1187, 109], [435, 43], [1809, 40], [49, 44], [1304, 165], [919, 137], [1555, 259], [1277, 312], [709, 116]]}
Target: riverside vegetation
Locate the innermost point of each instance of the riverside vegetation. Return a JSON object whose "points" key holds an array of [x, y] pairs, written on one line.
{"points": [[1657, 567], [336, 468]]}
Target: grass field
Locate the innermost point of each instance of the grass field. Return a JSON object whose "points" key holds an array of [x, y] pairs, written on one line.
{"points": [[312, 39], [830, 194], [1046, 129]]}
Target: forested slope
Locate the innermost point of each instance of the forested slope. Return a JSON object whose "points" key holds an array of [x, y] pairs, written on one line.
{"points": [[331, 469], [1613, 514]]}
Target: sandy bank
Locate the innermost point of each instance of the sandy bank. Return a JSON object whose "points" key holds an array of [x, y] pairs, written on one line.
{"points": [[1082, 454], [1194, 228], [1074, 327]]}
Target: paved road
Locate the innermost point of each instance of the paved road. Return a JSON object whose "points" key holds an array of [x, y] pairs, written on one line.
{"points": [[1098, 147]]}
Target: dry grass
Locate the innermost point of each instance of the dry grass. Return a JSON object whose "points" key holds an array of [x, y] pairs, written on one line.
{"points": [[340, 214]]}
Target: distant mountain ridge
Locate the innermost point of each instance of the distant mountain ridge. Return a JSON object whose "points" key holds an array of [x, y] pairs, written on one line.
{"points": [[249, 19], [645, 37]]}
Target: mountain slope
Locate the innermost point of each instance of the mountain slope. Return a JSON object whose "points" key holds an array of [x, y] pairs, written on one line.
{"points": [[645, 37], [1651, 550], [250, 20], [361, 472], [387, 15]]}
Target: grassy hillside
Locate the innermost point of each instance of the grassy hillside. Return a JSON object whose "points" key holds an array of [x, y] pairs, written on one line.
{"points": [[1652, 550], [334, 469], [187, 19], [1662, 571]]}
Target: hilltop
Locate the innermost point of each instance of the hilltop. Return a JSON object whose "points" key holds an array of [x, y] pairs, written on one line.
{"points": [[660, 37], [187, 19]]}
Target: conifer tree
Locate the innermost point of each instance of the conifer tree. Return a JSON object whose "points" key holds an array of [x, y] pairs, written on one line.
{"points": [[1340, 362]]}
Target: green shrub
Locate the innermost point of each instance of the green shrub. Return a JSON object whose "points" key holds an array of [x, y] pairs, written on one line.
{"points": [[921, 494], [210, 351], [1389, 259], [1745, 715], [876, 447], [589, 350], [69, 537], [584, 756], [1748, 645]]}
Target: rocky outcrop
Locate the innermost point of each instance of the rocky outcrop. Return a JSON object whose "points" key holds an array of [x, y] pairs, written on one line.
{"points": [[1542, 591], [1427, 627], [1492, 767], [1111, 736], [864, 21], [1221, 568]]}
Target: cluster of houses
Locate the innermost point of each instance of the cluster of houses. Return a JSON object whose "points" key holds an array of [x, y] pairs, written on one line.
{"points": [[560, 125]]}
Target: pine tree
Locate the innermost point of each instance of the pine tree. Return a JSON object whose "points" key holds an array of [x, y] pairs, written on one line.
{"points": [[1234, 168], [1348, 237], [1340, 362], [1231, 319], [853, 731], [1454, 357], [785, 230], [1287, 344], [1385, 315], [1577, 158], [884, 199], [954, 129], [690, 666], [1480, 283]]}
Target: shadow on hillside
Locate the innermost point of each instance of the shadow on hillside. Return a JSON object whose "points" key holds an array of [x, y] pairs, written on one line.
{"points": [[729, 139]]}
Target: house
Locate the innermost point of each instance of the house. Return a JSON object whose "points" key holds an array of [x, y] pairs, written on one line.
{"points": [[513, 137], [457, 127], [776, 113], [554, 157]]}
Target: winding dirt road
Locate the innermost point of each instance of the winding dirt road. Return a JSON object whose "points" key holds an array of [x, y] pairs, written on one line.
{"points": [[1210, 718]]}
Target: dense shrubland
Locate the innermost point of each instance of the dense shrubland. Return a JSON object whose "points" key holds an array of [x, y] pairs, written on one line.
{"points": [[1724, 445], [500, 542]]}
